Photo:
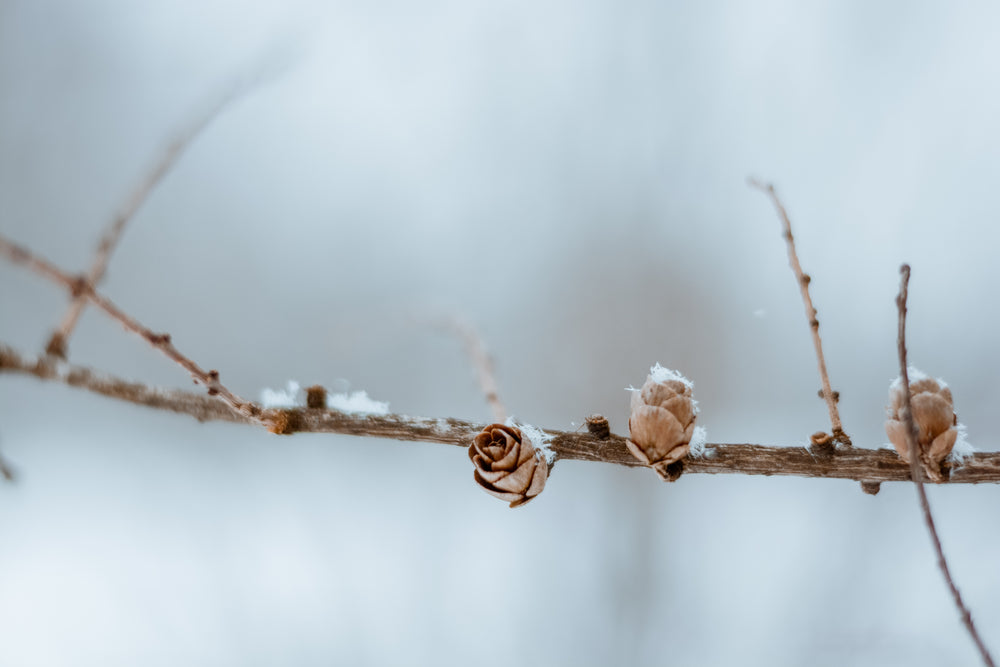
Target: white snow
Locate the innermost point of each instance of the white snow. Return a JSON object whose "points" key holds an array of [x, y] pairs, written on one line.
{"points": [[661, 374], [697, 445], [356, 403], [282, 398], [915, 375], [962, 449], [539, 439]]}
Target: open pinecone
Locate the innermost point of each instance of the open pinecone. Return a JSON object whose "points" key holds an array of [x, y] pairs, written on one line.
{"points": [[934, 415], [507, 465]]}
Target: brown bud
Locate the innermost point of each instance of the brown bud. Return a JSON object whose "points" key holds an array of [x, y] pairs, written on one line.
{"points": [[56, 346], [821, 440], [598, 425], [662, 421], [507, 464], [316, 397], [934, 416], [871, 488]]}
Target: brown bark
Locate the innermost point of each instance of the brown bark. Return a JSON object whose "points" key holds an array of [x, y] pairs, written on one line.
{"points": [[868, 465]]}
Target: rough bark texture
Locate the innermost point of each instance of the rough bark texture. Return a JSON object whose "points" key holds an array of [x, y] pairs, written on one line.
{"points": [[867, 465]]}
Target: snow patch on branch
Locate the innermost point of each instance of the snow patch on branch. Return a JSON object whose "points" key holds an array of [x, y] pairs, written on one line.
{"points": [[963, 449], [289, 397], [352, 403], [357, 403], [699, 448]]}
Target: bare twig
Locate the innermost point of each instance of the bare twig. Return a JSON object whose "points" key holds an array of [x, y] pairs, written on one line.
{"points": [[481, 361], [59, 341], [80, 286], [879, 465], [197, 405], [803, 280], [6, 470], [906, 415]]}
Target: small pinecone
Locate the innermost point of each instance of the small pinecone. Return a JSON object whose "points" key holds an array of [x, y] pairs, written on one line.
{"points": [[935, 418], [662, 420], [507, 465]]}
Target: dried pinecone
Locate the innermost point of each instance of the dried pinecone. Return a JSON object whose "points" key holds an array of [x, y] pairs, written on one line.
{"points": [[934, 415], [662, 420], [507, 465]]}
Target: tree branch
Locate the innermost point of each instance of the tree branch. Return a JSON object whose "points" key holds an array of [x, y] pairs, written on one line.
{"points": [[881, 465], [481, 360], [59, 340], [81, 287], [7, 471], [803, 281], [912, 434]]}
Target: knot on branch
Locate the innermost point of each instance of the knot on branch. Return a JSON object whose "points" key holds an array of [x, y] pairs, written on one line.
{"points": [[821, 442], [282, 422], [835, 394], [598, 426], [213, 383], [79, 286], [56, 347], [871, 488], [841, 439], [316, 397], [78, 377]]}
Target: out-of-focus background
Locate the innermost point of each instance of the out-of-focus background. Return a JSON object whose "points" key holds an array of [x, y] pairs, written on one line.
{"points": [[569, 177]]}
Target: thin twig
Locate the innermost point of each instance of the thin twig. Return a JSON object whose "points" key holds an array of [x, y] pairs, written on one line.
{"points": [[59, 341], [803, 280], [880, 465], [906, 415], [7, 470], [80, 286], [481, 360]]}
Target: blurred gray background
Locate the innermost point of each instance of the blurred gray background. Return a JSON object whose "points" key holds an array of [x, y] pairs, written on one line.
{"points": [[570, 177]]}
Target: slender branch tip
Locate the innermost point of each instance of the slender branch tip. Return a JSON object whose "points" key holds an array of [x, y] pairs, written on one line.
{"points": [[803, 280], [906, 414]]}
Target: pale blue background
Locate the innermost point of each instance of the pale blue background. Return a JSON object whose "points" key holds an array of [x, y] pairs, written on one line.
{"points": [[569, 176]]}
